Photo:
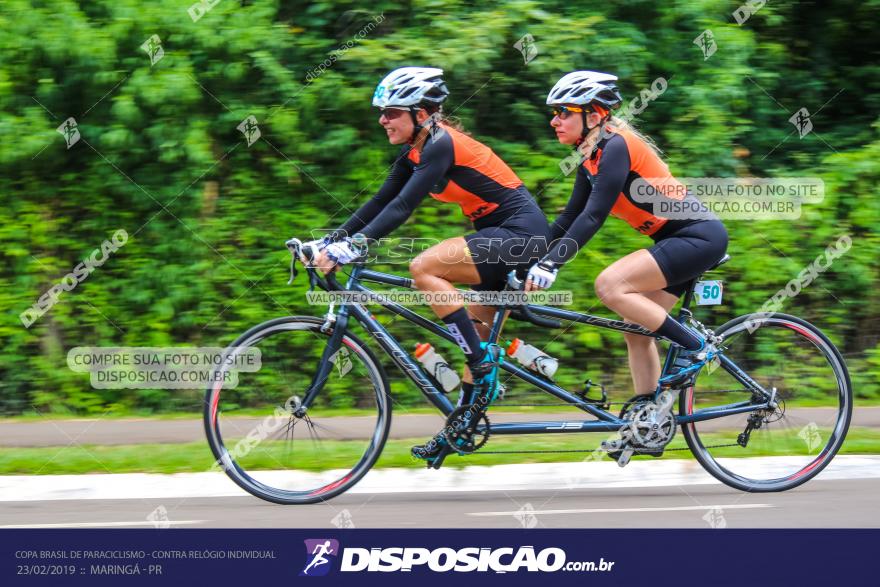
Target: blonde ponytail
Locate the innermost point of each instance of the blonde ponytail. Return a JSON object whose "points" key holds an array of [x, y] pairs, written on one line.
{"points": [[628, 126], [615, 124]]}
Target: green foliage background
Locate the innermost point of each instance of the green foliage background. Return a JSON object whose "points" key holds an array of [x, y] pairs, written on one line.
{"points": [[207, 215]]}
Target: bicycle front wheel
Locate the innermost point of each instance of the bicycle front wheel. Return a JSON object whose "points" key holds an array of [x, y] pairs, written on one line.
{"points": [[273, 448], [775, 449]]}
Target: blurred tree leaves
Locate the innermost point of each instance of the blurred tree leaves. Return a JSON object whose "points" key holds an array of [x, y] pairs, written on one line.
{"points": [[207, 215]]}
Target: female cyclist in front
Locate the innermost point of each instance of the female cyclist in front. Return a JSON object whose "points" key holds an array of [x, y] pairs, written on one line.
{"points": [[511, 230], [644, 285]]}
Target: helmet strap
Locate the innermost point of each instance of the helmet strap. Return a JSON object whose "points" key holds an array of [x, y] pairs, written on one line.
{"points": [[586, 131], [417, 128]]}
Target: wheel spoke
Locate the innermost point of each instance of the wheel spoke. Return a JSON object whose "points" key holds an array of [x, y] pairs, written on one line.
{"points": [[814, 410], [269, 462]]}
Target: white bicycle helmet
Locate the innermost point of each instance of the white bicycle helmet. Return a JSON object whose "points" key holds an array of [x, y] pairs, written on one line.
{"points": [[411, 86], [584, 88]]}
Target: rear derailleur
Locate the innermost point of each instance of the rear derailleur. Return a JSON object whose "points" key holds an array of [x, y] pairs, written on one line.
{"points": [[758, 418], [754, 422]]}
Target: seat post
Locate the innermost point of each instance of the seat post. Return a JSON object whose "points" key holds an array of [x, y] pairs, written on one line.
{"points": [[689, 293], [688, 296]]}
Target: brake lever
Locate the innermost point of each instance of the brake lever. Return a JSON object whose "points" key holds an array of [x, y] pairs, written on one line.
{"points": [[294, 245], [297, 252], [293, 271]]}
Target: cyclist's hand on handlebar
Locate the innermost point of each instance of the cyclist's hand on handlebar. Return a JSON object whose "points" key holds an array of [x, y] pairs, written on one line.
{"points": [[318, 245], [310, 249], [342, 252], [323, 262], [541, 276]]}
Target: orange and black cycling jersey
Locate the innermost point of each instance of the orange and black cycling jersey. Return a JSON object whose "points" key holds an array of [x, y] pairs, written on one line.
{"points": [[604, 185], [451, 167]]}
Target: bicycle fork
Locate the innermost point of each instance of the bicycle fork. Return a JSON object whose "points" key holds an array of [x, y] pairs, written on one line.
{"points": [[336, 325]]}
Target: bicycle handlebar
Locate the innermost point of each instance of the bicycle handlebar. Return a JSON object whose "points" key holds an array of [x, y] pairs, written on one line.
{"points": [[523, 312], [329, 283], [305, 255]]}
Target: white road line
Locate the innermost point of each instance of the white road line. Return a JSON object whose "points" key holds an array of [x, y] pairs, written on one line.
{"points": [[103, 524], [504, 478], [684, 508]]}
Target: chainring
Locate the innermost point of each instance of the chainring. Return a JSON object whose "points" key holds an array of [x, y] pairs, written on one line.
{"points": [[651, 426], [462, 424]]}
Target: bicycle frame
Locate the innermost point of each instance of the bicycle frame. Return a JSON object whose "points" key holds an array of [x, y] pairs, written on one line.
{"points": [[604, 421]]}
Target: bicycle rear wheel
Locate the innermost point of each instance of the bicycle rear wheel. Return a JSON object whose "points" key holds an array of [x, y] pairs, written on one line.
{"points": [[786, 446], [272, 448]]}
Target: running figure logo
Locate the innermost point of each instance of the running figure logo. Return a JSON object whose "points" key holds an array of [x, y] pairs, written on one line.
{"points": [[801, 121], [527, 46], [317, 550], [249, 129], [153, 48], [706, 42], [70, 131]]}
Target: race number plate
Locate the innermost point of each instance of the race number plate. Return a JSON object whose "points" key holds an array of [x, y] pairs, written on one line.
{"points": [[708, 293]]}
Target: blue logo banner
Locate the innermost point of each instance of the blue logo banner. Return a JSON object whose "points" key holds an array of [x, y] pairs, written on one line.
{"points": [[433, 557]]}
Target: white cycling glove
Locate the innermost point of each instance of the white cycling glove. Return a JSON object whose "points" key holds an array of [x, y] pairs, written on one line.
{"points": [[342, 252], [542, 275], [315, 246], [319, 244]]}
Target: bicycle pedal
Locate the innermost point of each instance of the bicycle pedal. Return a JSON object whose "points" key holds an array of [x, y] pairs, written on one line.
{"points": [[437, 461], [611, 445], [625, 456]]}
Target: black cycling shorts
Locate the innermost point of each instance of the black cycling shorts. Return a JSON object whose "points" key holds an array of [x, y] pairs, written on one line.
{"points": [[688, 252], [515, 245]]}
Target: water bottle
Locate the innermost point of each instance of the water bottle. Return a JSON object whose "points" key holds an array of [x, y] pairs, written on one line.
{"points": [[437, 367], [532, 358]]}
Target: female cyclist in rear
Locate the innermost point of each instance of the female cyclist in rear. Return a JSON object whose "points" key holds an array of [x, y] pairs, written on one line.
{"points": [[438, 160], [644, 285]]}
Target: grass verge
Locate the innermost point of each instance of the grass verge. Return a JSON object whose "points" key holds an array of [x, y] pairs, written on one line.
{"points": [[196, 457]]}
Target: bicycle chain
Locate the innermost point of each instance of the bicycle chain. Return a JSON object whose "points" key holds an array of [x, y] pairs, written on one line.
{"points": [[584, 403], [583, 450], [598, 403]]}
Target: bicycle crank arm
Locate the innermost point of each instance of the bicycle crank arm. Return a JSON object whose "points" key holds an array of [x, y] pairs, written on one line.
{"points": [[437, 461], [621, 445], [625, 456]]}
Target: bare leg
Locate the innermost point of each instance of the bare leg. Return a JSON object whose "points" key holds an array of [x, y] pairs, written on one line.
{"points": [[632, 287], [436, 269], [621, 284], [644, 358]]}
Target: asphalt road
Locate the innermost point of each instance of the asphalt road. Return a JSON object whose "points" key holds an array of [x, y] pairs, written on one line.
{"points": [[818, 504]]}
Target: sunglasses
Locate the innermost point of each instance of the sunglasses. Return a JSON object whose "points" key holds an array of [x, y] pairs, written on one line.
{"points": [[563, 111], [392, 113]]}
